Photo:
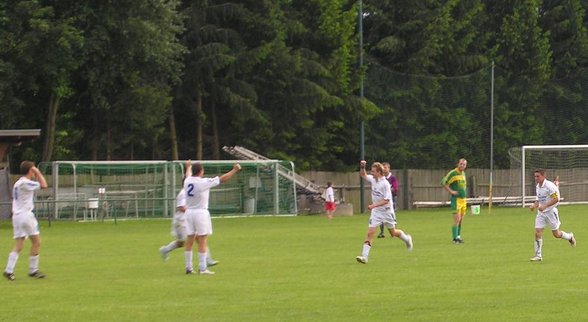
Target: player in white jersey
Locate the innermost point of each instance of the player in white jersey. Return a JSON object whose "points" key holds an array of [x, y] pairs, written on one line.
{"points": [[24, 223], [178, 230], [178, 227], [382, 210], [198, 223], [546, 204]]}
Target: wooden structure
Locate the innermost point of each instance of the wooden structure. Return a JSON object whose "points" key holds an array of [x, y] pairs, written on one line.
{"points": [[9, 138]]}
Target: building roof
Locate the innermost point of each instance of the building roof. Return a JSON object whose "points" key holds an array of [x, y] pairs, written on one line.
{"points": [[17, 136]]}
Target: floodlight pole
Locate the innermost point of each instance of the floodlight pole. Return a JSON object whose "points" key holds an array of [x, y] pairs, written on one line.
{"points": [[361, 96]]}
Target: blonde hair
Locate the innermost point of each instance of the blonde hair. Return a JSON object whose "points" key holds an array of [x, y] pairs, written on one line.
{"points": [[379, 167]]}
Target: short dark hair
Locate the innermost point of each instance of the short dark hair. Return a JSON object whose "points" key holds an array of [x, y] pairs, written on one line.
{"points": [[541, 171], [196, 168], [26, 166]]}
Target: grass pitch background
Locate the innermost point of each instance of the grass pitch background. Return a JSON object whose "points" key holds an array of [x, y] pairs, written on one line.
{"points": [[304, 269]]}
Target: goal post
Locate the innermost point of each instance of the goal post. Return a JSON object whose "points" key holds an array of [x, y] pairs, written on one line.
{"points": [[148, 189], [261, 187], [568, 163]]}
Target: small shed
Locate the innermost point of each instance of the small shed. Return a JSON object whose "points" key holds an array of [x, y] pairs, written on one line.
{"points": [[9, 138]]}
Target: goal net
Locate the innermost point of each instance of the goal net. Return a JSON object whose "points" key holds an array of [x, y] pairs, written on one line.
{"points": [[566, 163], [148, 189]]}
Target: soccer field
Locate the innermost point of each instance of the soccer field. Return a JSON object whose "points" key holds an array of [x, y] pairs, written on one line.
{"points": [[304, 269]]}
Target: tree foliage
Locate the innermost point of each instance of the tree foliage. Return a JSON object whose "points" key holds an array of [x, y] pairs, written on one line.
{"points": [[161, 79]]}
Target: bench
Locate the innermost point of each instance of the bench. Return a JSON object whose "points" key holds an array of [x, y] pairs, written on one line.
{"points": [[483, 200]]}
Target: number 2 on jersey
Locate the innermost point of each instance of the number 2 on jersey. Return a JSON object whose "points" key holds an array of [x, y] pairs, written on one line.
{"points": [[190, 190]]}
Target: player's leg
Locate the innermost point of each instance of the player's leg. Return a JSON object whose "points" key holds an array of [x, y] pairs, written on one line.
{"points": [[406, 238], [202, 254], [456, 219], [538, 247], [381, 235], [13, 258], [330, 210], [553, 218], [203, 230], [564, 235], [394, 200], [165, 250], [367, 244], [188, 253], [461, 211], [34, 257], [540, 223], [209, 261], [179, 232], [190, 237]]}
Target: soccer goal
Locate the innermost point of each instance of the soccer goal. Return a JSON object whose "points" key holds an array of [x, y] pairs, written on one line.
{"points": [[567, 164], [262, 187], [148, 189]]}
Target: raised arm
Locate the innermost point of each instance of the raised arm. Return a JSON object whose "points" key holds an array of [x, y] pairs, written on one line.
{"points": [[227, 176], [188, 168], [362, 171], [40, 177]]}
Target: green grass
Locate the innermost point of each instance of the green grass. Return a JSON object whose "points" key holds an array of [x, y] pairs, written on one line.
{"points": [[304, 269]]}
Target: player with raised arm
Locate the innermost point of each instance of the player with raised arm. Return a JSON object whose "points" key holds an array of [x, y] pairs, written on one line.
{"points": [[178, 229], [24, 223], [546, 204], [382, 210], [198, 223], [394, 186]]}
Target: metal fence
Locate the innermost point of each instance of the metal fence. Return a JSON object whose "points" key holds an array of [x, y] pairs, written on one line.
{"points": [[85, 190]]}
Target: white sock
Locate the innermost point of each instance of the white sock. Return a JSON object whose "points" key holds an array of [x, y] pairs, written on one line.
{"points": [[202, 261], [538, 247], [12, 259], [208, 255], [566, 236], [366, 250], [188, 258], [403, 237], [33, 264], [171, 246]]}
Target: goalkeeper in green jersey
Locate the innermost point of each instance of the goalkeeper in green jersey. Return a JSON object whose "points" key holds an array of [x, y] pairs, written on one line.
{"points": [[455, 183]]}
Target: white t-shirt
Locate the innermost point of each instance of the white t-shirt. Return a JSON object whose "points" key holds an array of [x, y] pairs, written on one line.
{"points": [[180, 202], [23, 194], [546, 192], [330, 194], [380, 191], [197, 191]]}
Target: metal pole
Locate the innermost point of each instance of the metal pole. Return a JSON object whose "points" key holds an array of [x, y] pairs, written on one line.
{"points": [[491, 138], [55, 175], [361, 96], [523, 176]]}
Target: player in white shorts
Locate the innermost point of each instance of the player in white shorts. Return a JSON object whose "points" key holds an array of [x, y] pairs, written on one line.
{"points": [[382, 210], [24, 223], [198, 223], [546, 204], [178, 230]]}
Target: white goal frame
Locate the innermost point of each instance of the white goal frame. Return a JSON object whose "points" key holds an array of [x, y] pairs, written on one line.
{"points": [[541, 147]]}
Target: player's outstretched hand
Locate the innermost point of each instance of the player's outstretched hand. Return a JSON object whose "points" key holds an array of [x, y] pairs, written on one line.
{"points": [[237, 167]]}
